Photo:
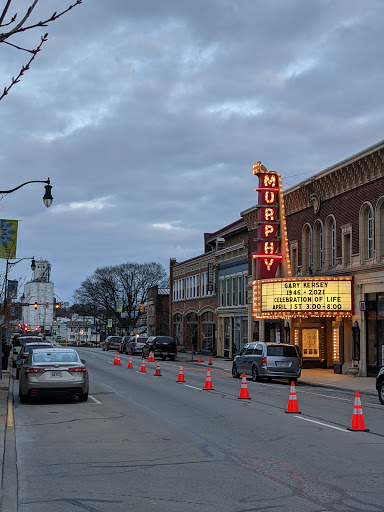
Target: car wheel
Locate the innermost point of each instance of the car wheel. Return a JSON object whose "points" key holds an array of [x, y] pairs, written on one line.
{"points": [[381, 392], [235, 375], [132, 352], [163, 358], [17, 373], [143, 355], [23, 398], [83, 397], [172, 358], [255, 375]]}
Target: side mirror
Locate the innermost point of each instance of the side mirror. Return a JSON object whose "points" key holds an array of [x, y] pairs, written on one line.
{"points": [[83, 361]]}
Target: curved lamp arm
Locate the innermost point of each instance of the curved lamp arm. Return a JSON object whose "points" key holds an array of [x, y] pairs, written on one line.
{"points": [[47, 199]]}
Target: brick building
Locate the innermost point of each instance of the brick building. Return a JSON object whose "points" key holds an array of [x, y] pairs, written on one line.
{"points": [[158, 311], [209, 293], [335, 223]]}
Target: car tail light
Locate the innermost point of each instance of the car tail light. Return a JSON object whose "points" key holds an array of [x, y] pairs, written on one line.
{"points": [[135, 345], [34, 370], [263, 361], [78, 369], [299, 360]]}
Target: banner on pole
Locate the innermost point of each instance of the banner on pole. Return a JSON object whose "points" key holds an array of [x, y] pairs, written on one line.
{"points": [[8, 238]]}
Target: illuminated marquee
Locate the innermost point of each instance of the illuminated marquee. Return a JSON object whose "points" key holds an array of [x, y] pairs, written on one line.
{"points": [[303, 297], [270, 224]]}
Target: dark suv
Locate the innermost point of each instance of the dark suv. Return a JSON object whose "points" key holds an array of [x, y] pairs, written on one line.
{"points": [[162, 346], [380, 385]]}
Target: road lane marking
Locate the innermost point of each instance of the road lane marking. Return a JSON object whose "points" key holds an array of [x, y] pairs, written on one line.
{"points": [[10, 416], [94, 399], [193, 387], [323, 424]]}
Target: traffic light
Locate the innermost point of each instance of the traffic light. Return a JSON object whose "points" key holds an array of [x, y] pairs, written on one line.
{"points": [[57, 305], [35, 305], [141, 308]]}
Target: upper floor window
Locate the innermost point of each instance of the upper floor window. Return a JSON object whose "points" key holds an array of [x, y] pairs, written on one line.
{"points": [[379, 229], [366, 233], [330, 242], [318, 246], [192, 286], [205, 285], [178, 289], [306, 258]]}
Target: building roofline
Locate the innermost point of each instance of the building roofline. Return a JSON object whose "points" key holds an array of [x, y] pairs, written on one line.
{"points": [[335, 167]]}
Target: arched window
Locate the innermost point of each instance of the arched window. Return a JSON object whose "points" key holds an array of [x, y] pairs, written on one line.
{"points": [[318, 257], [330, 242], [306, 258], [366, 233], [379, 229]]}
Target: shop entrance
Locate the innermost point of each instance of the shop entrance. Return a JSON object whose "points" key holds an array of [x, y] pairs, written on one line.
{"points": [[375, 332]]}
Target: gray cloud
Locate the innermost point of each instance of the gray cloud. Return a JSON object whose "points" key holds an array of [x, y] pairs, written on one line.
{"points": [[147, 116]]}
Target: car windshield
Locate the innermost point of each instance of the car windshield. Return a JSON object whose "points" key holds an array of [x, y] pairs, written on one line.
{"points": [[282, 350], [54, 357], [141, 340], [28, 348], [30, 339]]}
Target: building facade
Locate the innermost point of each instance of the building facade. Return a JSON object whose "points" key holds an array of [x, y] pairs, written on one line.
{"points": [[335, 223], [39, 292]]}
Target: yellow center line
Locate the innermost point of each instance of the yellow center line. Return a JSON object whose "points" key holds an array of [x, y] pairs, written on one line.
{"points": [[10, 416]]}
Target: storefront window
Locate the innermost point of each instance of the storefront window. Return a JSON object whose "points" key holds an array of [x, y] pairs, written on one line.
{"points": [[178, 329], [208, 331]]}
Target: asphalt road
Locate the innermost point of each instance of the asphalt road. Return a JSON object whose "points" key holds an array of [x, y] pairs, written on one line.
{"points": [[149, 443]]}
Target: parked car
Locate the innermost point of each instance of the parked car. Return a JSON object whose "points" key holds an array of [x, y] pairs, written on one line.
{"points": [[19, 343], [26, 350], [53, 371], [112, 343], [162, 346], [268, 360], [124, 343], [380, 384], [136, 344]]}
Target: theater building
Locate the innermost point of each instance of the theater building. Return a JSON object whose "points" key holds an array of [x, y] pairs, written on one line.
{"points": [[335, 229]]}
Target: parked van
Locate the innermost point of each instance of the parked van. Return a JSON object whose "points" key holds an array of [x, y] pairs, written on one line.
{"points": [[268, 360]]}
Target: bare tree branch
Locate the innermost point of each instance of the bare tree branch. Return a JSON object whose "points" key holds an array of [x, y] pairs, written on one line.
{"points": [[19, 27], [24, 68]]}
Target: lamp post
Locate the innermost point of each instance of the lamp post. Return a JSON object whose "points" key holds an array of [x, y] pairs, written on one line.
{"points": [[5, 304], [47, 198]]}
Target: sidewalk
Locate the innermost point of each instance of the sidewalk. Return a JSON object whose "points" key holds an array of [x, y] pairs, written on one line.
{"points": [[311, 377]]}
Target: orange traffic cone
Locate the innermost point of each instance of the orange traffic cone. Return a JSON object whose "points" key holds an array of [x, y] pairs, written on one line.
{"points": [[142, 369], [244, 388], [115, 358], [208, 381], [199, 360], [180, 377], [151, 357], [130, 365], [210, 360], [158, 371], [357, 416], [292, 402], [118, 362]]}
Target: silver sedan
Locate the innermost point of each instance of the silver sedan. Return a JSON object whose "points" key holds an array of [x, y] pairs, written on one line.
{"points": [[53, 371]]}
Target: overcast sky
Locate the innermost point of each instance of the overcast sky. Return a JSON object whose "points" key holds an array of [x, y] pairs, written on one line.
{"points": [[147, 115]]}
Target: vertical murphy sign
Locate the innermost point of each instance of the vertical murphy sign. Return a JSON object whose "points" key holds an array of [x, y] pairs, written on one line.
{"points": [[272, 244]]}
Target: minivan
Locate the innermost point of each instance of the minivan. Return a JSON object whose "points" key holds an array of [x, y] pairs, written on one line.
{"points": [[268, 360]]}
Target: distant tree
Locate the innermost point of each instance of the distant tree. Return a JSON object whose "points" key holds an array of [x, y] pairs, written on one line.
{"points": [[122, 287], [14, 26]]}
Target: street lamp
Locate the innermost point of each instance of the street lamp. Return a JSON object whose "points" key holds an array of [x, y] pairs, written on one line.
{"points": [[47, 198]]}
